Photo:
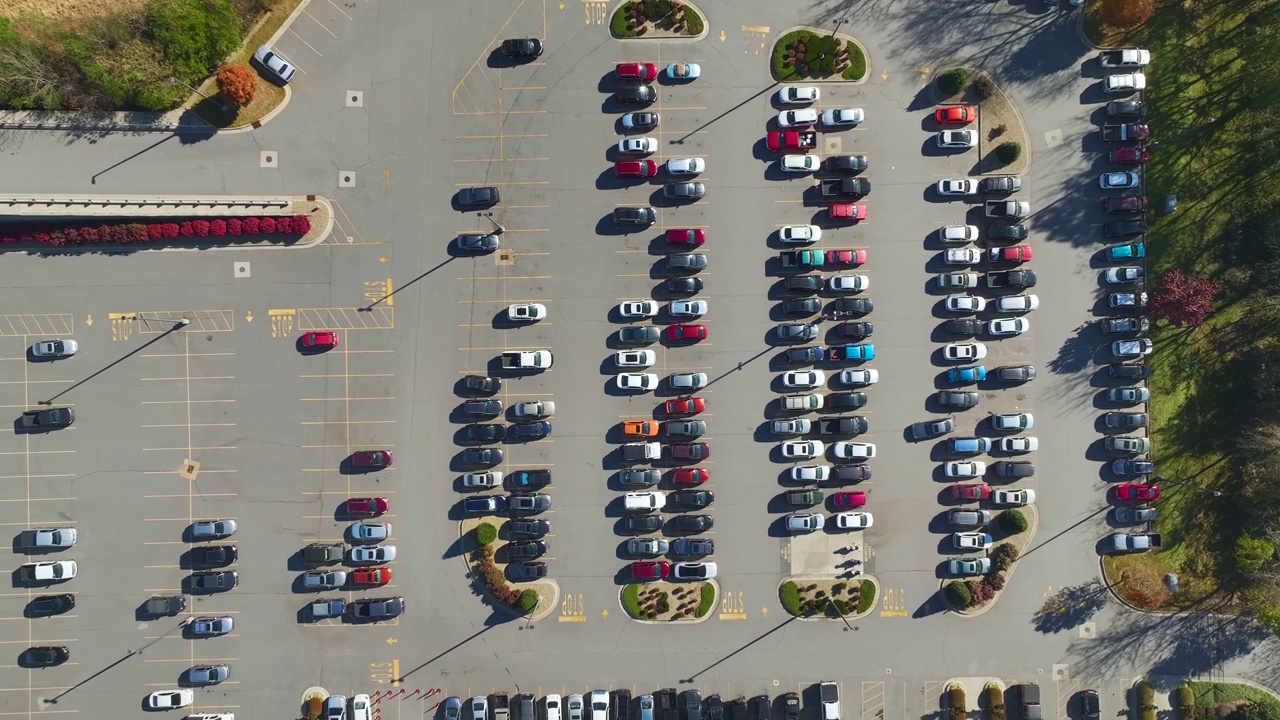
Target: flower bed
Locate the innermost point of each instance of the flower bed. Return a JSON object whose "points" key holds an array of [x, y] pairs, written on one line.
{"points": [[667, 602], [638, 18], [144, 233], [807, 54], [972, 594], [816, 597]]}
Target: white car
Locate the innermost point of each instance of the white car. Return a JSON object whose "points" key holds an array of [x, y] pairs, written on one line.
{"points": [[965, 304], [526, 312], [638, 309], [1013, 498], [482, 480], [552, 704], [1119, 180], [958, 186], [964, 468], [957, 234], [1002, 327], [962, 256], [54, 349], [534, 409], [1124, 57], [957, 138], [635, 358], [800, 234], [687, 308], [1021, 444], [790, 427], [599, 703], [859, 376], [373, 554], [52, 538], [964, 352], [1122, 275], [169, 699], [637, 146], [958, 280], [803, 379], [802, 449], [804, 522], [797, 118], [799, 163], [644, 502], [971, 540], [688, 381], [853, 520], [846, 450], [694, 570], [686, 166], [798, 95], [1017, 303], [843, 117], [279, 70], [643, 382], [1012, 421], [1125, 83], [365, 531], [848, 283], [810, 473], [573, 708]]}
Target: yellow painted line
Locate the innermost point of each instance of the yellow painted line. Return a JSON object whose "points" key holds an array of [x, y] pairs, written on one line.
{"points": [[573, 618], [203, 494], [331, 2], [194, 425], [202, 377], [493, 160], [182, 402], [351, 375], [211, 447], [203, 471], [35, 476], [511, 348], [28, 641], [304, 12], [52, 499], [37, 452], [509, 182], [389, 397], [499, 137], [348, 422], [39, 712], [504, 277]]}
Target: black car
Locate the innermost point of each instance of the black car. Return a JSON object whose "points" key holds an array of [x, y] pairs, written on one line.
{"points": [[1015, 373], [845, 401], [215, 580], [855, 329], [526, 550], [473, 457], [1124, 228], [693, 547], [956, 398], [525, 571], [639, 334], [692, 704], [686, 262], [640, 120], [763, 708], [715, 708], [478, 242], [790, 706], [523, 480], [1012, 279], [1129, 372], [1127, 108], [479, 197], [963, 326], [842, 474], [535, 430], [850, 306], [804, 355], [522, 47], [640, 524], [693, 523], [852, 425], [635, 215], [803, 283], [1001, 184], [684, 286], [692, 498], [637, 94], [481, 385], [530, 528], [45, 656], [1014, 468], [1113, 326], [684, 190], [1006, 233], [846, 163], [46, 605], [666, 698], [214, 555], [44, 419], [620, 705], [1089, 707], [481, 433], [481, 408], [640, 478], [802, 306]]}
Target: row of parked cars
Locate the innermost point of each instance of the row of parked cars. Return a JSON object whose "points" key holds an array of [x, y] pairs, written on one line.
{"points": [[665, 704]]}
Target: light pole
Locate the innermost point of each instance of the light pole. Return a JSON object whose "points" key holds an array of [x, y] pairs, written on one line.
{"points": [[839, 22], [831, 604], [219, 103], [1163, 479]]}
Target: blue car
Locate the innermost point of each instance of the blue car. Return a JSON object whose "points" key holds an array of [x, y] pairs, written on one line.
{"points": [[974, 374], [1126, 252], [806, 354], [531, 430], [528, 479], [859, 352], [485, 504]]}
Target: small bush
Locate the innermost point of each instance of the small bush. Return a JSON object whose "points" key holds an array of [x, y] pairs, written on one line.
{"points": [[708, 592], [621, 23], [958, 594], [866, 597], [237, 84], [663, 604], [1013, 522], [528, 601], [994, 580], [955, 697], [857, 63], [994, 696], [1185, 701], [486, 533], [1003, 556], [1008, 152], [693, 21], [1145, 693], [841, 606], [655, 10], [790, 595], [983, 87], [953, 80]]}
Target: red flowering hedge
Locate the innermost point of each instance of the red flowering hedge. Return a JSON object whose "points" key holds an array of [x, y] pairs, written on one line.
{"points": [[138, 233]]}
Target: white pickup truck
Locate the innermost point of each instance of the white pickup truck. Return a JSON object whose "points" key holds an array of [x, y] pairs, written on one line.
{"points": [[527, 359], [48, 571], [1124, 58]]}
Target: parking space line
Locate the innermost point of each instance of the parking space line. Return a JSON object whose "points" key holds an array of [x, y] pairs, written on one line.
{"points": [[37, 476], [313, 17], [182, 402], [498, 137], [344, 14], [493, 160], [193, 447], [31, 500], [389, 397], [345, 375], [347, 422]]}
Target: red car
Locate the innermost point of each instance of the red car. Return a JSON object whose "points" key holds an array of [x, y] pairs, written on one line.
{"points": [[692, 237], [367, 506], [966, 493], [846, 257], [955, 115], [637, 71], [635, 168], [1017, 253], [1138, 492], [320, 340], [371, 459], [849, 499], [792, 140], [686, 406], [1133, 156], [690, 476], [848, 211], [650, 569], [681, 333], [370, 577]]}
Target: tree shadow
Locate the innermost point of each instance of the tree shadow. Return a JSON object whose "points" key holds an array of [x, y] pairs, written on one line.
{"points": [[1071, 607]]}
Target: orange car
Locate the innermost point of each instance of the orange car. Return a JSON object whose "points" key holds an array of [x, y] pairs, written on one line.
{"points": [[639, 428], [366, 577]]}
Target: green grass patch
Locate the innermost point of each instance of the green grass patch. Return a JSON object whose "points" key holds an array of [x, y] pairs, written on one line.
{"points": [[707, 596], [693, 21], [631, 601], [790, 594], [620, 23], [857, 69], [781, 71], [1208, 694], [866, 597]]}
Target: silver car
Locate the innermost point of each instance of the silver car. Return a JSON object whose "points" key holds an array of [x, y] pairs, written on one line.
{"points": [[277, 70], [54, 349], [212, 529], [688, 381], [208, 674]]}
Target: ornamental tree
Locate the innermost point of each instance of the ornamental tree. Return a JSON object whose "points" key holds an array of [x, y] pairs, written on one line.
{"points": [[1184, 299], [236, 84]]}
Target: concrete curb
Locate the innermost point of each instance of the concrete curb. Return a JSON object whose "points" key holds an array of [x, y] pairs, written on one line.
{"points": [[706, 26], [463, 529], [288, 95], [1008, 578], [1084, 37], [856, 616], [819, 31], [691, 621]]}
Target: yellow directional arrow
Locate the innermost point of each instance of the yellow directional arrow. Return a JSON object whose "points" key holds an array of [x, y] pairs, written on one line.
{"points": [[561, 6], [884, 74], [721, 36], [391, 641], [248, 316], [604, 614], [383, 259], [764, 611], [88, 320]]}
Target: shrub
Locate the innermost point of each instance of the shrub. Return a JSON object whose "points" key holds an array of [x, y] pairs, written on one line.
{"points": [[994, 580], [237, 84], [655, 10], [790, 595], [983, 87], [1184, 299], [218, 228], [982, 593], [1003, 556], [1013, 522], [1145, 693], [841, 606], [1184, 701], [693, 21], [707, 597], [663, 604], [195, 35], [866, 597], [1008, 152], [486, 533], [953, 80], [857, 63], [1251, 553], [955, 697], [251, 226], [957, 594], [994, 696], [528, 601], [621, 23]]}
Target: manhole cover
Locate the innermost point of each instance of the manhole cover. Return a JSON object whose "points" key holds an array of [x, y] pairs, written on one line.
{"points": [[241, 269], [355, 98], [269, 159], [506, 257], [190, 468], [346, 178]]}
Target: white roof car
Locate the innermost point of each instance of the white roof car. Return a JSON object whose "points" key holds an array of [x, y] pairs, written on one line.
{"points": [[687, 308], [802, 403], [688, 381], [529, 312], [638, 309], [964, 468], [552, 704], [694, 570], [213, 528], [798, 95], [274, 65], [802, 449], [958, 234], [971, 540], [635, 358], [53, 537], [1013, 498], [534, 408], [797, 118], [645, 502], [599, 703], [168, 699], [1021, 444], [859, 376], [54, 348], [961, 280], [573, 707], [686, 166], [1119, 180], [366, 531], [843, 117], [637, 145], [637, 381], [1124, 57], [803, 378], [479, 708], [962, 256], [810, 473], [1012, 421], [964, 352], [853, 520], [848, 283], [1122, 275], [957, 138], [800, 163], [958, 186], [790, 426], [373, 554], [846, 450], [361, 708], [1001, 327], [804, 522], [490, 479], [1125, 83], [800, 234], [1017, 303], [965, 303]]}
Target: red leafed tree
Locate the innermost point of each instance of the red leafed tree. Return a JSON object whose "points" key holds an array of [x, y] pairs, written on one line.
{"points": [[1127, 14], [1184, 299], [236, 83]]}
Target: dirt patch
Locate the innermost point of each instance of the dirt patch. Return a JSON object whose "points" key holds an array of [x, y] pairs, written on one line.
{"points": [[70, 10], [998, 123]]}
